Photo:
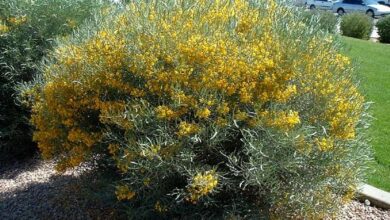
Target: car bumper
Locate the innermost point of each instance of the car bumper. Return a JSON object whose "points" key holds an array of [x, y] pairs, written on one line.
{"points": [[382, 14]]}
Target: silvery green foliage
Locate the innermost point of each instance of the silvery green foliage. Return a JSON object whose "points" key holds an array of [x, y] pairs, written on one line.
{"points": [[296, 157]]}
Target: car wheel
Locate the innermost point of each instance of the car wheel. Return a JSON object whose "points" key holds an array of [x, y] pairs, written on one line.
{"points": [[370, 13], [340, 11], [312, 7]]}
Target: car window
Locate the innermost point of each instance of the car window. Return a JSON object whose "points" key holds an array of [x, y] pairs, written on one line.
{"points": [[355, 2], [371, 2]]}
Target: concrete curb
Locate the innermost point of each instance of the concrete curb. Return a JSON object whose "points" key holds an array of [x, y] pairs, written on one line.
{"points": [[376, 196]]}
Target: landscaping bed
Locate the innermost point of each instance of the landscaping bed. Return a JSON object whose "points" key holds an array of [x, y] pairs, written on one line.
{"points": [[226, 117], [33, 190]]}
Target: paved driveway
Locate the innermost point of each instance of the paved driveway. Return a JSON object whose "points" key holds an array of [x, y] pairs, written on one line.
{"points": [[374, 33]]}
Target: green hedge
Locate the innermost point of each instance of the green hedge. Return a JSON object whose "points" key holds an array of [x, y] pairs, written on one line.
{"points": [[383, 26], [356, 25]]}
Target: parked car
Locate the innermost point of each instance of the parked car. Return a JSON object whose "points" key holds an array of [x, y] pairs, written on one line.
{"points": [[370, 7], [299, 3], [320, 4]]}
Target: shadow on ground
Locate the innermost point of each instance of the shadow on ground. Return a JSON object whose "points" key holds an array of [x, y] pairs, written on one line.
{"points": [[10, 169], [60, 197]]}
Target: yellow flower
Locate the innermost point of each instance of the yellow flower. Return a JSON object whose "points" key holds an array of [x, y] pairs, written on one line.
{"points": [[203, 113], [221, 122], [18, 20], [349, 195], [160, 208], [223, 109], [3, 28], [164, 112], [151, 152], [324, 144], [201, 185], [283, 120], [240, 115], [186, 129], [113, 148], [245, 96], [71, 23], [124, 193], [302, 146], [146, 181]]}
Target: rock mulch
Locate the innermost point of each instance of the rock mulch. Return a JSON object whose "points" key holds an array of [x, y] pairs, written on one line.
{"points": [[362, 211], [33, 190]]}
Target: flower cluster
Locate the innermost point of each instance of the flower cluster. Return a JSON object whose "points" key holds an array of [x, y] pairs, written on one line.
{"points": [[160, 208], [17, 20], [186, 129], [124, 193], [201, 185], [7, 24], [324, 144], [3, 28]]}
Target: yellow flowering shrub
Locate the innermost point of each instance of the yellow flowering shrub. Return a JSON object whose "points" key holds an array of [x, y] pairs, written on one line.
{"points": [[27, 30], [206, 108]]}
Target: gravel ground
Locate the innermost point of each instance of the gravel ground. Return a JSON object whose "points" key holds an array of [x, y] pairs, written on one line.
{"points": [[359, 211], [33, 190]]}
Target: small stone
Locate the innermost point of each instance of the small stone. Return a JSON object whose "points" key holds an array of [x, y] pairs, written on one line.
{"points": [[367, 202]]}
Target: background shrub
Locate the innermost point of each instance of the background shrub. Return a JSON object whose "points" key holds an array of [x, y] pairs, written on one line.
{"points": [[323, 20], [356, 25], [207, 109], [27, 29], [383, 26]]}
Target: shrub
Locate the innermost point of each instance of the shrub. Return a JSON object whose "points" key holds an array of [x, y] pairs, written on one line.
{"points": [[323, 20], [207, 109], [356, 25], [27, 29], [383, 26]]}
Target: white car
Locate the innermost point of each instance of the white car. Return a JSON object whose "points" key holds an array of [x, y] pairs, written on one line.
{"points": [[299, 3], [370, 7], [320, 4]]}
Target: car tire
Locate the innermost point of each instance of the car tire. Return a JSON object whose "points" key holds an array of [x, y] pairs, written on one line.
{"points": [[312, 7], [340, 11], [370, 13]]}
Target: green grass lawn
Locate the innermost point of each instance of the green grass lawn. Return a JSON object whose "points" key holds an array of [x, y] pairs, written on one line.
{"points": [[374, 72]]}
